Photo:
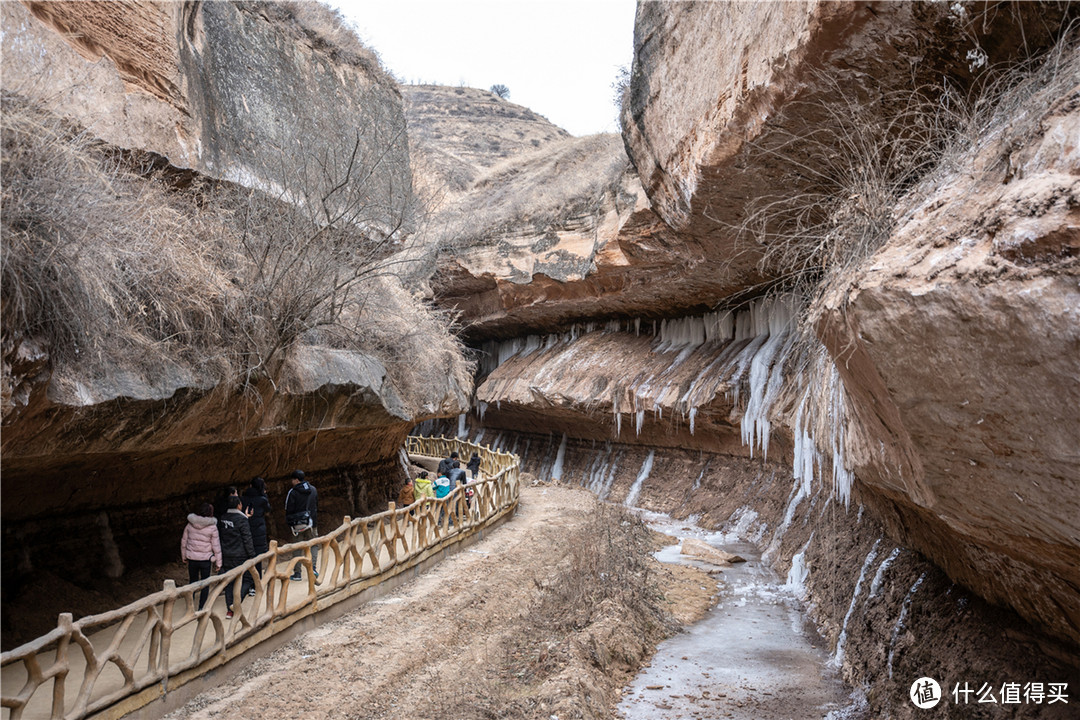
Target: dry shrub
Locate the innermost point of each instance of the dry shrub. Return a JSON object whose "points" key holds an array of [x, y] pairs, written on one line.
{"points": [[602, 607], [114, 267], [869, 160], [95, 260], [324, 27]]}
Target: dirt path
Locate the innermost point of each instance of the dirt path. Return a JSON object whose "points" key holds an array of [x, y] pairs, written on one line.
{"points": [[442, 645]]}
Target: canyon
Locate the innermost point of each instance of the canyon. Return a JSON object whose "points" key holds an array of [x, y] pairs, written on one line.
{"points": [[723, 314]]}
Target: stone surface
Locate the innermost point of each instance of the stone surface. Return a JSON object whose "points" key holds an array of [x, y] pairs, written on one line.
{"points": [[720, 92], [701, 550], [220, 91], [959, 343], [219, 88]]}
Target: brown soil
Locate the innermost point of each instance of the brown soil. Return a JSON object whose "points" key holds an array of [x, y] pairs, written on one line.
{"points": [[550, 614]]}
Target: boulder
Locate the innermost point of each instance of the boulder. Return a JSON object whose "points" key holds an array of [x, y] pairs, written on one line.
{"points": [[701, 550]]}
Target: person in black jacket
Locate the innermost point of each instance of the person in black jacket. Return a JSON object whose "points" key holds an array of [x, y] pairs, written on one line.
{"points": [[447, 464], [236, 548], [474, 467], [301, 515], [224, 500], [257, 505]]}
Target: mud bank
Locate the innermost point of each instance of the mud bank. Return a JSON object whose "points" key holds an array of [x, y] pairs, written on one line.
{"points": [[887, 614]]}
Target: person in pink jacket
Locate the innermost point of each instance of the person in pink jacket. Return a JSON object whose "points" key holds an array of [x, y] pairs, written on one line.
{"points": [[201, 545]]}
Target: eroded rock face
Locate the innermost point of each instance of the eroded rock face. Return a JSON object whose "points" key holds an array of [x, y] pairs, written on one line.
{"points": [[220, 88], [725, 99], [957, 343], [960, 345]]}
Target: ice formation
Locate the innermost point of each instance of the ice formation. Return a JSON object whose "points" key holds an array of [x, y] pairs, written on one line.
{"points": [[556, 470], [900, 621], [838, 658], [879, 576], [643, 475], [796, 577]]}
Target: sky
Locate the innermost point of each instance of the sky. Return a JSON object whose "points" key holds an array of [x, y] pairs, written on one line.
{"points": [[557, 57]]}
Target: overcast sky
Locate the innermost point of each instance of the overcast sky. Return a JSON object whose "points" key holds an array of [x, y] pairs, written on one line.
{"points": [[558, 57]]}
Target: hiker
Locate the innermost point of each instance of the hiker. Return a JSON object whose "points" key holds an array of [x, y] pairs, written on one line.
{"points": [[442, 486], [456, 475], [224, 500], [447, 464], [301, 515], [236, 548], [256, 506], [422, 486], [407, 496], [201, 545], [474, 467]]}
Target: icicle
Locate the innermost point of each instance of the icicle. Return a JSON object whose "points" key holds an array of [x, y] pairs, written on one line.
{"points": [[774, 317], [618, 423], [639, 418], [482, 408], [900, 621], [796, 577], [693, 416], [797, 495], [606, 489], [701, 475], [643, 475], [598, 470], [556, 470], [838, 658], [879, 576], [461, 426]]}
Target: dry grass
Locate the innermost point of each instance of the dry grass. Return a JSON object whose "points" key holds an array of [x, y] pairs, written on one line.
{"points": [[112, 266], [869, 161], [563, 180], [591, 624], [95, 260], [325, 28]]}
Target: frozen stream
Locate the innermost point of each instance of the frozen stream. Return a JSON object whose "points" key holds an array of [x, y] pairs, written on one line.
{"points": [[754, 655]]}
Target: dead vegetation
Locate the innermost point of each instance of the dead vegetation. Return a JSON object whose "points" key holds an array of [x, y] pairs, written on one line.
{"points": [[870, 159], [565, 179], [114, 263], [592, 623], [325, 28]]}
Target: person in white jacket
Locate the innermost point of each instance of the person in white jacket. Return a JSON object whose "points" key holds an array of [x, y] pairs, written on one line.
{"points": [[200, 546]]}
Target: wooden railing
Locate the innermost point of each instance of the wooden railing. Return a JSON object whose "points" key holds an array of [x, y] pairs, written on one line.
{"points": [[97, 662]]}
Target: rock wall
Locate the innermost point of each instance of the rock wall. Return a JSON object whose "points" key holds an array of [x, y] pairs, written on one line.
{"points": [[936, 390], [229, 90], [960, 344]]}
